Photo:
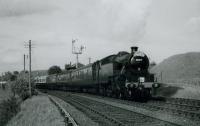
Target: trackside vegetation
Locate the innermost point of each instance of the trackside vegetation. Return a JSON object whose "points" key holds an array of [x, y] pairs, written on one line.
{"points": [[11, 106]]}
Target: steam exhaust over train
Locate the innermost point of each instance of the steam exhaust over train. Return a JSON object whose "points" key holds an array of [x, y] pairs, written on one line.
{"points": [[123, 75]]}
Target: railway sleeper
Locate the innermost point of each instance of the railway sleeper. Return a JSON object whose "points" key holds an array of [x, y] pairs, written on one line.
{"points": [[101, 114]]}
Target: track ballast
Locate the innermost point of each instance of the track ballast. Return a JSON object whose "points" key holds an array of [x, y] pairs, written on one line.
{"points": [[105, 114]]}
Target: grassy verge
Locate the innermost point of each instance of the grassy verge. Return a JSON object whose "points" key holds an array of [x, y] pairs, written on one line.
{"points": [[8, 109], [9, 106], [37, 111], [14, 93]]}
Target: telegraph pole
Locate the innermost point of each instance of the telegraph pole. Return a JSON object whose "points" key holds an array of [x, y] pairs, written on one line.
{"points": [[30, 67], [29, 46]]}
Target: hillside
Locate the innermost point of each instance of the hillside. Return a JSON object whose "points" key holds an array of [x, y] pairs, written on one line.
{"points": [[179, 68]]}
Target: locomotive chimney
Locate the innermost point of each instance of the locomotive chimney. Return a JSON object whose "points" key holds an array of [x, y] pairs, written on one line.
{"points": [[134, 49]]}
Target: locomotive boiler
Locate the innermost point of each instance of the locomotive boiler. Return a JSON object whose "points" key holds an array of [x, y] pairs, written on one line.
{"points": [[123, 75]]}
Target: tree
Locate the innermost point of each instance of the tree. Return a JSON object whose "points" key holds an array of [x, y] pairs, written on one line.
{"points": [[15, 72], [13, 77], [54, 70], [7, 76]]}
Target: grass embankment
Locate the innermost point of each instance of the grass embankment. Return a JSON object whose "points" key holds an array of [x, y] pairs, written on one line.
{"points": [[17, 108], [9, 105], [37, 111], [4, 95]]}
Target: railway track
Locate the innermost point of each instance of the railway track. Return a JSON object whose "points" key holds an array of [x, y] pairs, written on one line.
{"points": [[189, 102], [85, 107], [105, 114], [176, 108], [179, 107], [186, 108]]}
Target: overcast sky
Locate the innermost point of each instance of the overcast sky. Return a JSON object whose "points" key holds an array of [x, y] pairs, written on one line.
{"points": [[160, 28]]}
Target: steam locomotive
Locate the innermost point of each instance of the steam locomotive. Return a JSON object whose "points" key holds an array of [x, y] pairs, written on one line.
{"points": [[123, 75]]}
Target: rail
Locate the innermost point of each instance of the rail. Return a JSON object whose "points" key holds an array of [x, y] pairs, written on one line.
{"points": [[69, 121]]}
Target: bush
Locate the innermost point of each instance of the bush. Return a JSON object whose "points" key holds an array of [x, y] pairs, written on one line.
{"points": [[54, 70], [8, 109], [21, 88]]}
